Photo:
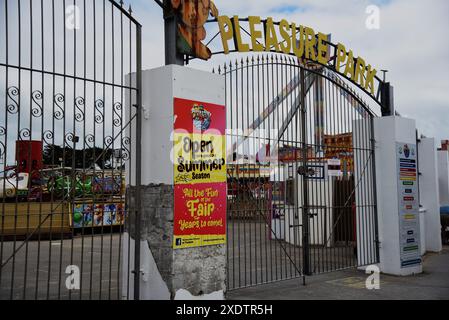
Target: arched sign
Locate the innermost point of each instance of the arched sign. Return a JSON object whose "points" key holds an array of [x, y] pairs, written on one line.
{"points": [[300, 41], [311, 48]]}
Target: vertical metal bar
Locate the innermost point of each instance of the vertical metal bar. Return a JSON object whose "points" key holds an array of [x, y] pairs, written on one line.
{"points": [[64, 153], [273, 141], [247, 191], [42, 139], [241, 189], [253, 226], [305, 216], [374, 187], [84, 148], [54, 100], [94, 156], [112, 143], [328, 209], [138, 159], [72, 195], [310, 104], [225, 76], [358, 192], [29, 165], [18, 137], [130, 160], [232, 211], [5, 155], [249, 215], [270, 189], [104, 147], [336, 180], [365, 218], [296, 138], [343, 187], [262, 188], [294, 134], [122, 222]]}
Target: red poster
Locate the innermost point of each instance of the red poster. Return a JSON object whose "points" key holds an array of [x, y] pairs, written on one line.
{"points": [[199, 174]]}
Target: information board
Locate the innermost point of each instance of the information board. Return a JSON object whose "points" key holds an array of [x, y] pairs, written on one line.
{"points": [[409, 233]]}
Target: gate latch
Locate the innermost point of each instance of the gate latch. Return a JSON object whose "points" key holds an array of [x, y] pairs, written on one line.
{"points": [[307, 172]]}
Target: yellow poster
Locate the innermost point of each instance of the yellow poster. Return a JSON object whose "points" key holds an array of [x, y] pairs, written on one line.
{"points": [[199, 158]]}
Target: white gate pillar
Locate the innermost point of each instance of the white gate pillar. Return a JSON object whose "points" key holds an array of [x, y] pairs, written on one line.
{"points": [[397, 195], [180, 266]]}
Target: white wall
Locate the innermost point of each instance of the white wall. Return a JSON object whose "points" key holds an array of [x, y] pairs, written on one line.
{"points": [[152, 286], [443, 177], [429, 196]]}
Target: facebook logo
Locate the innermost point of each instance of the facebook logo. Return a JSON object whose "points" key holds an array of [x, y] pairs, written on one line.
{"points": [[178, 241]]}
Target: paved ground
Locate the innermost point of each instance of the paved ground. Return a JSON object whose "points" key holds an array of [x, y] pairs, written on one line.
{"points": [[30, 277], [253, 258], [350, 284]]}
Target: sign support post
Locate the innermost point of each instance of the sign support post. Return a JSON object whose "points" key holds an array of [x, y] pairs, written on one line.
{"points": [[170, 30]]}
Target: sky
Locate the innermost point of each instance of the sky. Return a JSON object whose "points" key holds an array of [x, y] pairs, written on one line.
{"points": [[411, 43]]}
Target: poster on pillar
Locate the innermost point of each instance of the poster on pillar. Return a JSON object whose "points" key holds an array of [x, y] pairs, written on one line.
{"points": [[409, 232], [199, 153]]}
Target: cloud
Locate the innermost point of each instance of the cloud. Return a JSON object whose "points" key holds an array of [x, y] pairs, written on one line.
{"points": [[411, 44]]}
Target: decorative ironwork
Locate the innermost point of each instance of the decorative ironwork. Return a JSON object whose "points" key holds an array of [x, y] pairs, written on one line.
{"points": [[48, 137], [108, 140], [79, 113], [59, 112], [36, 108], [70, 138], [117, 114], [89, 140], [13, 93], [99, 115], [24, 133], [126, 142]]}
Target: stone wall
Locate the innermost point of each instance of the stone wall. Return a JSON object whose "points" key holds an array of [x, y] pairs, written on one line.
{"points": [[199, 270]]}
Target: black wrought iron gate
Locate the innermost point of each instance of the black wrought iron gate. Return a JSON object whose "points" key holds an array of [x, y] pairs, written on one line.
{"points": [[66, 118], [301, 189]]}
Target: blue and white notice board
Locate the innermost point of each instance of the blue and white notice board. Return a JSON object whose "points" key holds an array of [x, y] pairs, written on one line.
{"points": [[409, 232]]}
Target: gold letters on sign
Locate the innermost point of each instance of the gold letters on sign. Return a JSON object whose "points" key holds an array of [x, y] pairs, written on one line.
{"points": [[301, 41]]}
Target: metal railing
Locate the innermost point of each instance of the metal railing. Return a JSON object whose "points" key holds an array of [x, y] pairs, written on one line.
{"points": [[70, 112]]}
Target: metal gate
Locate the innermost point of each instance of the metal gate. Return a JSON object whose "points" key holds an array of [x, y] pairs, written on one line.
{"points": [[67, 109], [301, 189]]}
